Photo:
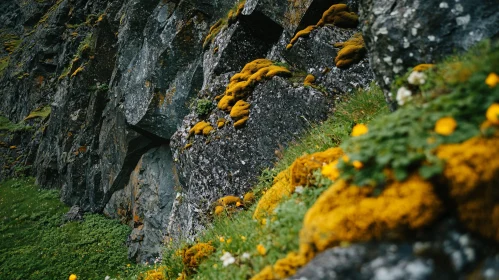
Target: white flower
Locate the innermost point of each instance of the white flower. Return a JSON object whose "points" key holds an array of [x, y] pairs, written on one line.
{"points": [[227, 259], [403, 95], [107, 278], [417, 78], [299, 189], [245, 256]]}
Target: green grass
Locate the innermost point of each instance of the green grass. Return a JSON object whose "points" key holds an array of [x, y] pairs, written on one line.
{"points": [[37, 245]]}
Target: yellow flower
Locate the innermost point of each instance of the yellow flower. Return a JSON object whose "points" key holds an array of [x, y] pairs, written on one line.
{"points": [[128, 265], [359, 129], [261, 250], [238, 204], [357, 164], [492, 80], [445, 126], [229, 240], [73, 277], [493, 113], [243, 238], [222, 239], [331, 171], [345, 158]]}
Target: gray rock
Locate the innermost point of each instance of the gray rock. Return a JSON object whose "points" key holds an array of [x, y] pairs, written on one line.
{"points": [[403, 34], [74, 214]]}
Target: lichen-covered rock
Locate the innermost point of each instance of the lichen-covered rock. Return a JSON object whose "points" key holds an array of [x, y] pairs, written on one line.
{"points": [[228, 161], [403, 34], [145, 203]]}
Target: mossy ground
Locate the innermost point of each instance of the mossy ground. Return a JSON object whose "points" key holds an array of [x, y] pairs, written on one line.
{"points": [[37, 245]]}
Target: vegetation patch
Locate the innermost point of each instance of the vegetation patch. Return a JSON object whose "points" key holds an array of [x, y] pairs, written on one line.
{"points": [[40, 112]]}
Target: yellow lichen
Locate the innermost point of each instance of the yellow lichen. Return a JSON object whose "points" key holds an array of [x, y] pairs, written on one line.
{"points": [[309, 80], [346, 213], [78, 70], [228, 200], [231, 18], [352, 51], [472, 172], [240, 113], [221, 122], [201, 127], [302, 33], [300, 173], [423, 67], [340, 16], [193, 256]]}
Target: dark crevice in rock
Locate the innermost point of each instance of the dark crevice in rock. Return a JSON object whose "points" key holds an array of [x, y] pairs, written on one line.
{"points": [[315, 11]]}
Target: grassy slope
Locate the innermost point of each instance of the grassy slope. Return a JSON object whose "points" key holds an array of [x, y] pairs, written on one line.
{"points": [[36, 245]]}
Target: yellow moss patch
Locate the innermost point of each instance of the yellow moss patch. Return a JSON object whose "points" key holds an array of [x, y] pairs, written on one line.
{"points": [[280, 189], [193, 256], [302, 33], [339, 15], [228, 200], [249, 198], [283, 268], [472, 172], [78, 70], [231, 18], [352, 51], [201, 127], [423, 67], [219, 210], [240, 113], [309, 80]]}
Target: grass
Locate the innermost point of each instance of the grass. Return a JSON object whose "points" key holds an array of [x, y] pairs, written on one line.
{"points": [[37, 245]]}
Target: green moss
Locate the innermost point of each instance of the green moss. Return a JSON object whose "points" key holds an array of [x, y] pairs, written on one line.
{"points": [[7, 125], [4, 63], [40, 112], [352, 51], [204, 106], [222, 23]]}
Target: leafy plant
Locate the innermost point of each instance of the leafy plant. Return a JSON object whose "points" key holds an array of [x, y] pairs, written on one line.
{"points": [[204, 106]]}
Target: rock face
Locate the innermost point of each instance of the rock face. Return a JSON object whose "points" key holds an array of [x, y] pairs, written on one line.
{"points": [[402, 34]]}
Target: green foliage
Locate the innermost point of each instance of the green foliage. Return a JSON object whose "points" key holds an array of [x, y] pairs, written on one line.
{"points": [[40, 246], [41, 112], [7, 125], [204, 106], [4, 63], [405, 140]]}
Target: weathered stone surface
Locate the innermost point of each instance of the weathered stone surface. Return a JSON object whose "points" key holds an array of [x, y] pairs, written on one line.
{"points": [[403, 34], [441, 252], [229, 160], [145, 203]]}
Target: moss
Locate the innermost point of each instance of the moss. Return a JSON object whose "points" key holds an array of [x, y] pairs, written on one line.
{"points": [[219, 210], [4, 63], [240, 113], [12, 45], [40, 112], [352, 51], [221, 122], [302, 33], [222, 23], [309, 80], [340, 16], [193, 256], [348, 213], [201, 127], [249, 198], [298, 174], [472, 173], [423, 67], [78, 70]]}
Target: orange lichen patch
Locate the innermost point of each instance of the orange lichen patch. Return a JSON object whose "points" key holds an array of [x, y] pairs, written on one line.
{"points": [[193, 256], [283, 268], [243, 81], [302, 33], [201, 127], [249, 198], [352, 51], [156, 274], [228, 200], [339, 15], [281, 188], [472, 172], [445, 126], [301, 171], [423, 67], [309, 80], [78, 70], [221, 122]]}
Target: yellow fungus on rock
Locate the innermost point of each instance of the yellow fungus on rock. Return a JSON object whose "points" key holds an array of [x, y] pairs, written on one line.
{"points": [[339, 15], [228, 200], [423, 67], [492, 114], [472, 173], [201, 127], [309, 80], [358, 130], [445, 126], [352, 51], [302, 33]]}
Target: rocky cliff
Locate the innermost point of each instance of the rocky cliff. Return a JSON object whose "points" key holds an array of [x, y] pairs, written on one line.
{"points": [[149, 111]]}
